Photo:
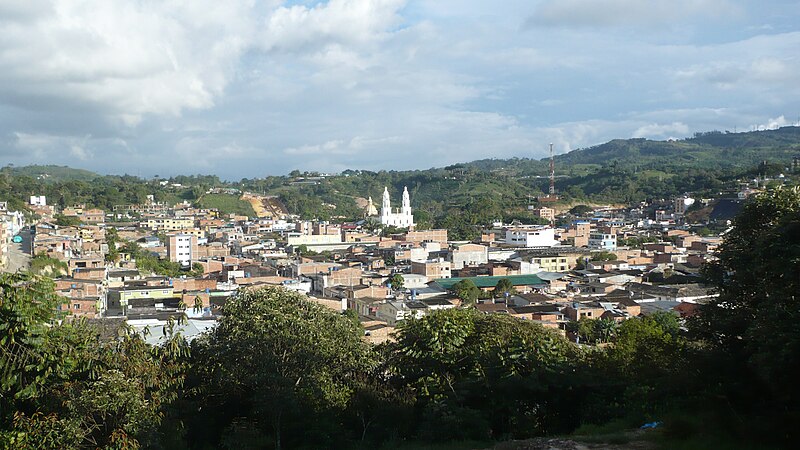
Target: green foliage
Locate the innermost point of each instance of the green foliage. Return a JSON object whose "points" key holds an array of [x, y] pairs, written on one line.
{"points": [[282, 363], [581, 210], [467, 291], [63, 387], [396, 281], [603, 256], [477, 375], [751, 328], [67, 221], [42, 264], [226, 204], [150, 263], [504, 287]]}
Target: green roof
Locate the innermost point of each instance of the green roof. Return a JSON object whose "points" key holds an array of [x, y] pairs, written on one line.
{"points": [[487, 282]]}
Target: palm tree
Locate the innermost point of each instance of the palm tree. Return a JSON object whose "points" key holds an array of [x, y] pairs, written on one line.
{"points": [[605, 329]]}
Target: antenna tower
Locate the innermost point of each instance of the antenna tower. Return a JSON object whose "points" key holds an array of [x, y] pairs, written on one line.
{"points": [[552, 172]]}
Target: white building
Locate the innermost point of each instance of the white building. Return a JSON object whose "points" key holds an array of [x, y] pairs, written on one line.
{"points": [[603, 241], [531, 237], [182, 248], [38, 200], [403, 217]]}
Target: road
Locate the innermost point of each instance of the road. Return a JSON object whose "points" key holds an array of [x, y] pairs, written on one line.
{"points": [[19, 254]]}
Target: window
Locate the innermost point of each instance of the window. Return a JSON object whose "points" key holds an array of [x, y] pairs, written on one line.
{"points": [[77, 306]]}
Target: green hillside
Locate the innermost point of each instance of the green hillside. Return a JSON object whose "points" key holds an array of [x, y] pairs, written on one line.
{"points": [[226, 204], [55, 174]]}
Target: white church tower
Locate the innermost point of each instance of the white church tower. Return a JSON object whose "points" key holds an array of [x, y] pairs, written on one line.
{"points": [[402, 218]]}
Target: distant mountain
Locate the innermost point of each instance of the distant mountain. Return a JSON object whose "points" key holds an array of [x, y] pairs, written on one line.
{"points": [[710, 149], [54, 174]]}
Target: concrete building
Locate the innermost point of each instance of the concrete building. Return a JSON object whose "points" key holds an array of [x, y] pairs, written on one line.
{"points": [[182, 248], [545, 213], [603, 241], [468, 255], [432, 269], [169, 224], [531, 237]]}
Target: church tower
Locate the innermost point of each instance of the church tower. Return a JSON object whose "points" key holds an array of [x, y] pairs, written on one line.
{"points": [[406, 210], [386, 207]]}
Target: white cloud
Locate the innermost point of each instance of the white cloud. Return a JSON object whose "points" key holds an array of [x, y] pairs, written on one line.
{"points": [[774, 124], [660, 131], [125, 59], [342, 22]]}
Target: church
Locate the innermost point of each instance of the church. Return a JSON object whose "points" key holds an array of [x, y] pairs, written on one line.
{"points": [[400, 219]]}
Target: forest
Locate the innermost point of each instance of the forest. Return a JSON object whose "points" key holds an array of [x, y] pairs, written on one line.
{"points": [[282, 372]]}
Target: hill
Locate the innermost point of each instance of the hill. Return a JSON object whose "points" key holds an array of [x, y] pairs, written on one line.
{"points": [[711, 149], [54, 174]]}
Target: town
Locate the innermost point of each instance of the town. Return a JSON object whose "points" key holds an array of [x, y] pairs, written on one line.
{"points": [[579, 273]]}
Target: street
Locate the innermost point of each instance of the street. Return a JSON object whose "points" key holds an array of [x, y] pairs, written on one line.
{"points": [[19, 255]]}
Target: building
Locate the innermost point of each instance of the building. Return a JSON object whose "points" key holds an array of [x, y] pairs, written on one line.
{"points": [[169, 224], [437, 235], [182, 248], [545, 213], [468, 255], [432, 269], [603, 241], [38, 200], [531, 237], [401, 218]]}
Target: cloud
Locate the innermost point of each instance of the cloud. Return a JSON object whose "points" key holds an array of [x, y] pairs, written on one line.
{"points": [[655, 130], [774, 124], [337, 22], [606, 13], [124, 59], [255, 87]]}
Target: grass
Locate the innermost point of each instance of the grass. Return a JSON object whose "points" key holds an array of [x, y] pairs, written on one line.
{"points": [[227, 204]]}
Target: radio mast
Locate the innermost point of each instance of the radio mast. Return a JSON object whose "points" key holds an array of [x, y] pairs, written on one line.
{"points": [[552, 172]]}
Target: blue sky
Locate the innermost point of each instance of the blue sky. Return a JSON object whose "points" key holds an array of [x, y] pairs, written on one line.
{"points": [[252, 88]]}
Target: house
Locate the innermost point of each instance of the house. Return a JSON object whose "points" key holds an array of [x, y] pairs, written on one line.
{"points": [[431, 269], [531, 237], [395, 311], [468, 255], [577, 311], [603, 241]]}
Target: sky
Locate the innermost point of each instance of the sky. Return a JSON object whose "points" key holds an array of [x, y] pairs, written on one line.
{"points": [[250, 88]]}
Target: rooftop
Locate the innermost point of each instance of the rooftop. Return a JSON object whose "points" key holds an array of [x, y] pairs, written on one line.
{"points": [[487, 282]]}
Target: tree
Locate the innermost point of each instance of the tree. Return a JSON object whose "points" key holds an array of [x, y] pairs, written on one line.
{"points": [[604, 256], [276, 364], [752, 326], [581, 210], [504, 287], [396, 281], [476, 374], [467, 291], [63, 386], [67, 221]]}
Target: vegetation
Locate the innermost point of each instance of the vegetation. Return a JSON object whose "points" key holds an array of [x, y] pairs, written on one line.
{"points": [[396, 282], [280, 371], [62, 386], [42, 264], [151, 263], [226, 204], [467, 291]]}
